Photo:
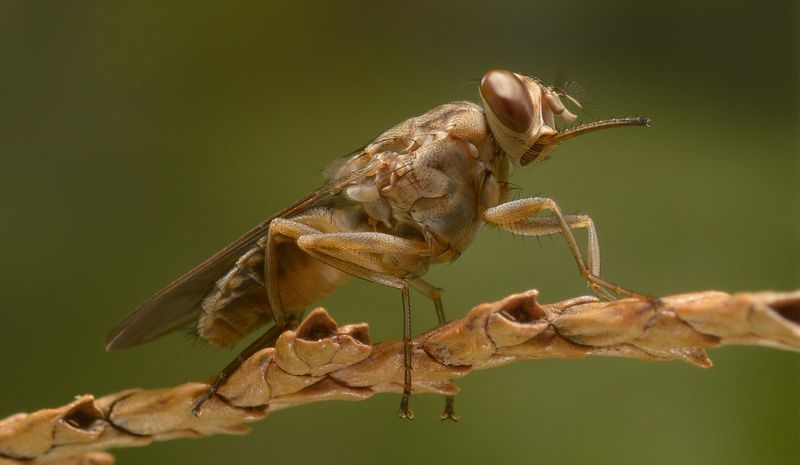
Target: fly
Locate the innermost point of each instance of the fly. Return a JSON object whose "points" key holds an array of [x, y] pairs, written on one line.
{"points": [[414, 197]]}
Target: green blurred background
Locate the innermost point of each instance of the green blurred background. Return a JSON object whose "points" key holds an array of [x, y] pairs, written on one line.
{"points": [[137, 138]]}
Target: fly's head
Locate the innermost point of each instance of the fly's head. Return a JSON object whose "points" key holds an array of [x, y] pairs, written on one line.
{"points": [[521, 112]]}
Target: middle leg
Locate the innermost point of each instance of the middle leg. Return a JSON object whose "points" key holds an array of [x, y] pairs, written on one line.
{"points": [[435, 294], [360, 254]]}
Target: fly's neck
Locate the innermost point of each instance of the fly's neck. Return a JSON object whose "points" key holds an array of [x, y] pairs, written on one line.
{"points": [[501, 169]]}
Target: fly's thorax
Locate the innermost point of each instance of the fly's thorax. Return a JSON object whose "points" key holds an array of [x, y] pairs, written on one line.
{"points": [[437, 189], [428, 178]]}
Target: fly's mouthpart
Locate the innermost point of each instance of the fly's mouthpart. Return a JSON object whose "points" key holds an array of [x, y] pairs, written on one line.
{"points": [[596, 126], [546, 144]]}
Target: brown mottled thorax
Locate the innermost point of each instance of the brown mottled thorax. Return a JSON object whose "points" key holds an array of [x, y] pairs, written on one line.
{"points": [[429, 178]]}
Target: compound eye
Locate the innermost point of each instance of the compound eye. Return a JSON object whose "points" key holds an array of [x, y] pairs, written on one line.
{"points": [[508, 98]]}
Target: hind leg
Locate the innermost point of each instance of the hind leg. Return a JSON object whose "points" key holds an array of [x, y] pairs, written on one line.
{"points": [[286, 229]]}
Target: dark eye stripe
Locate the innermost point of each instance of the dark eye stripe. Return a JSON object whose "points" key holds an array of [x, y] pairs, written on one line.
{"points": [[508, 99]]}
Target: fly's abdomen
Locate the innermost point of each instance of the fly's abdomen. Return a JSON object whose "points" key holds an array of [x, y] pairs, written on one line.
{"points": [[238, 304]]}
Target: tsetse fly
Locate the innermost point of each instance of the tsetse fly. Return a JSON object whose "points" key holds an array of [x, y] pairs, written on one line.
{"points": [[414, 197]]}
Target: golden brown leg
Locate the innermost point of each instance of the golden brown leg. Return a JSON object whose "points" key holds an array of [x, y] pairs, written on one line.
{"points": [[515, 216], [266, 340], [358, 255], [279, 227], [435, 294]]}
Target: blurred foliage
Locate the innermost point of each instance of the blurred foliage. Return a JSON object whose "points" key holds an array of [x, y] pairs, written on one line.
{"points": [[140, 137]]}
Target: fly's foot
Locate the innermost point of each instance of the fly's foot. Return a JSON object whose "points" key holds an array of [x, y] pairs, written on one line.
{"points": [[603, 289], [449, 416], [449, 413], [197, 407], [601, 292], [405, 411]]}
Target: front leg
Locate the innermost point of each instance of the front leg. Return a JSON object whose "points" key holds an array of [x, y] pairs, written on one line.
{"points": [[516, 217]]}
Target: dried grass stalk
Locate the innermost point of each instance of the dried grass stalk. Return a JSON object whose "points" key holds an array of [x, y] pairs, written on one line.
{"points": [[320, 361]]}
